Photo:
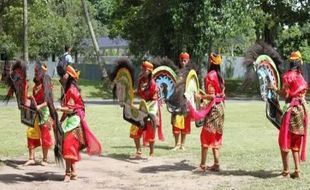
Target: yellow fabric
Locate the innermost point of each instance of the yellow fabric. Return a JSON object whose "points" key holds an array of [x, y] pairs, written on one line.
{"points": [[134, 130], [215, 59], [34, 132], [179, 121], [295, 55]]}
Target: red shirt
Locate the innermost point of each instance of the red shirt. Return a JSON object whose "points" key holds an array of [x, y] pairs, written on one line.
{"points": [[212, 85], [295, 83], [38, 93], [147, 90], [73, 98]]}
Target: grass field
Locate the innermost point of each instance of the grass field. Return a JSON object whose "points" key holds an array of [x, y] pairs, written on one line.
{"points": [[98, 89], [90, 89], [249, 144]]}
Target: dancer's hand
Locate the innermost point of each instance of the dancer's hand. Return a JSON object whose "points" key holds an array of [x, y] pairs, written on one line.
{"points": [[197, 96], [272, 86], [58, 108]]}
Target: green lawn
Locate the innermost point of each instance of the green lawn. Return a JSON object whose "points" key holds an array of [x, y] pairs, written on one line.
{"points": [[98, 89], [90, 89], [249, 148]]}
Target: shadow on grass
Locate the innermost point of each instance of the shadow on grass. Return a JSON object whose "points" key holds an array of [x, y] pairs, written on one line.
{"points": [[122, 157], [13, 163], [263, 174], [31, 176], [178, 166], [133, 147]]}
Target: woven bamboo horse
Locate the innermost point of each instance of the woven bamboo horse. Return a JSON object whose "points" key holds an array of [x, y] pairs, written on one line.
{"points": [[266, 62], [123, 91], [15, 77]]}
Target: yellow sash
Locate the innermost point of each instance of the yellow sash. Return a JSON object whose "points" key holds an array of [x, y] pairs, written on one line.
{"points": [[179, 121], [134, 130], [34, 132]]}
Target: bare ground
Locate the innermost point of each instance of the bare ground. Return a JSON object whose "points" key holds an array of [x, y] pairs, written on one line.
{"points": [[118, 172]]}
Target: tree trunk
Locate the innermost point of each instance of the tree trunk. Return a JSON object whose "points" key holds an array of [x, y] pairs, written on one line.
{"points": [[92, 33], [26, 57]]}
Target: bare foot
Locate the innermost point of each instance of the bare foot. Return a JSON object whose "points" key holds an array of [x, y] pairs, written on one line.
{"points": [[73, 176], [177, 147], [30, 162], [137, 156], [214, 168], [44, 162], [200, 169], [67, 178]]}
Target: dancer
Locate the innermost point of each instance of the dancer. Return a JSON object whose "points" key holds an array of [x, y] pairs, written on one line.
{"points": [[181, 124], [148, 91], [76, 130], [293, 131], [212, 131], [39, 134]]}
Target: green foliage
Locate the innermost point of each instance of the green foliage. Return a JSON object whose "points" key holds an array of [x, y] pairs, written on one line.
{"points": [[169, 27], [51, 25]]}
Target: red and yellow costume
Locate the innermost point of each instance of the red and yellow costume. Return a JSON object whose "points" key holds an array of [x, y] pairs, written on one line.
{"points": [[148, 91], [181, 124], [40, 133], [77, 132], [211, 133], [293, 131]]}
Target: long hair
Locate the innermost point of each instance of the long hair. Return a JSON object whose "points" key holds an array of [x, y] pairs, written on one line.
{"points": [[71, 81], [296, 65], [217, 69]]}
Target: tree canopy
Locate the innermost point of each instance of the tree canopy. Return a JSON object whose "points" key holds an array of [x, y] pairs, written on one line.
{"points": [[160, 27]]}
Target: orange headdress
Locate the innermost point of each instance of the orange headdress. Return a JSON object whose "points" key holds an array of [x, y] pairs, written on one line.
{"points": [[147, 65], [215, 59], [72, 72], [295, 56]]}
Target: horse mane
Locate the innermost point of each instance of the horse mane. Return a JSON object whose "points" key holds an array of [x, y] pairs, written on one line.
{"points": [[164, 61], [9, 81], [262, 48], [121, 63], [178, 101]]}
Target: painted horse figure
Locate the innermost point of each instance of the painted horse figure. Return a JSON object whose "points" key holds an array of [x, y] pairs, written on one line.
{"points": [[15, 77], [266, 62], [123, 91]]}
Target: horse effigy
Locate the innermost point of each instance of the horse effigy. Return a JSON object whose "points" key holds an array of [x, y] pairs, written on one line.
{"points": [[146, 117], [36, 110], [267, 62]]}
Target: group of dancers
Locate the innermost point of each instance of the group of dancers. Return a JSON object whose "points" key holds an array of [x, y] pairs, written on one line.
{"points": [[75, 135], [292, 133]]}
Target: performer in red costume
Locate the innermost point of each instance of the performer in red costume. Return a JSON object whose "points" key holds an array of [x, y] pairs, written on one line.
{"points": [[181, 124], [77, 132], [148, 91], [39, 134], [293, 131], [212, 131]]}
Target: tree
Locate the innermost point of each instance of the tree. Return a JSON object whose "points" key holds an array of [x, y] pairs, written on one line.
{"points": [[168, 27], [52, 24]]}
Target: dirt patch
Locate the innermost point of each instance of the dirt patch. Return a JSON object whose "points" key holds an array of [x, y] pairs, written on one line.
{"points": [[114, 172]]}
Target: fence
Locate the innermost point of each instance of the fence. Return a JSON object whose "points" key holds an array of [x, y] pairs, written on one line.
{"points": [[232, 67]]}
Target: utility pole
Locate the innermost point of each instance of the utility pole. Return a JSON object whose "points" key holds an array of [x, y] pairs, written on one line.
{"points": [[26, 56]]}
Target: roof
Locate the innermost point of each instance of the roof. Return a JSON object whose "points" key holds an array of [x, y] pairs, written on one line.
{"points": [[106, 42]]}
